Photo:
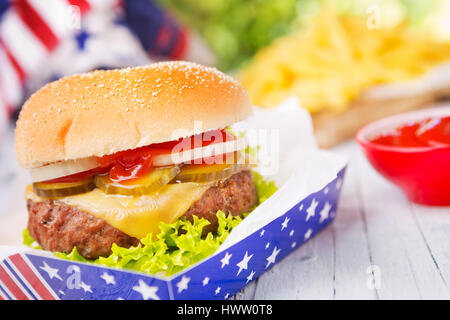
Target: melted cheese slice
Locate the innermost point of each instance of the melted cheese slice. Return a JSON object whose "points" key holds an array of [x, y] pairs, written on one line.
{"points": [[135, 216]]}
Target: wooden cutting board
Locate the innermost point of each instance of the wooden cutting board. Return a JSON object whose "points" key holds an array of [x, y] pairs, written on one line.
{"points": [[332, 128]]}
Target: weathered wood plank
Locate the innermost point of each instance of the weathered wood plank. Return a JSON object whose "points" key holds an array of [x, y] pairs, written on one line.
{"points": [[352, 248], [381, 202], [398, 249], [434, 226]]}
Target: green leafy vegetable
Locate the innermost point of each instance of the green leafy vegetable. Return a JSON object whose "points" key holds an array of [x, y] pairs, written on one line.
{"points": [[265, 188], [235, 29], [29, 241], [177, 246]]}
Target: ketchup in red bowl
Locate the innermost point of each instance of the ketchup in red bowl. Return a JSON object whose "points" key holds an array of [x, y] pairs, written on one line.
{"points": [[432, 132], [412, 150]]}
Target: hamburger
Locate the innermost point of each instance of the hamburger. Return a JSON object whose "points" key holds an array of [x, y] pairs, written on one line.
{"points": [[114, 153]]}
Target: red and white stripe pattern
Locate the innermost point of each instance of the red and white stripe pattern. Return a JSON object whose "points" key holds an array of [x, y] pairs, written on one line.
{"points": [[38, 38], [29, 32], [19, 280]]}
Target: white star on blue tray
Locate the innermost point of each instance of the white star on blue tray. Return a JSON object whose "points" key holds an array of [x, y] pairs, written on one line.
{"points": [[285, 223], [205, 281], [338, 184], [291, 233], [300, 208], [250, 276], [225, 260], [308, 234], [218, 290], [267, 245], [183, 284], [293, 244], [85, 287], [51, 272], [271, 259], [262, 232], [109, 279], [147, 292], [312, 209], [243, 264], [325, 212], [226, 296]]}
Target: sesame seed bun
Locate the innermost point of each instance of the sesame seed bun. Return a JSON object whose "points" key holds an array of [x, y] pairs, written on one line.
{"points": [[103, 112]]}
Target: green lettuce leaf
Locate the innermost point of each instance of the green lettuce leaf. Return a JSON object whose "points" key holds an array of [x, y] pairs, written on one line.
{"points": [[265, 188], [178, 245], [29, 241]]}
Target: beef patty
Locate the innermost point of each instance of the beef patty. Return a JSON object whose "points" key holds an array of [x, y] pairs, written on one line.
{"points": [[59, 227]]}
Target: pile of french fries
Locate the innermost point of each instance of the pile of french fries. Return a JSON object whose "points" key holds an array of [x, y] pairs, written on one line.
{"points": [[334, 60]]}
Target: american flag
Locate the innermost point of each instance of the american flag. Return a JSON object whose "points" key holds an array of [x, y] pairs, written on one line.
{"points": [[21, 281], [39, 275], [41, 41]]}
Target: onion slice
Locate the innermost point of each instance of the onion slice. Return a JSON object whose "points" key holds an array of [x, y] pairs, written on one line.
{"points": [[211, 150], [63, 168]]}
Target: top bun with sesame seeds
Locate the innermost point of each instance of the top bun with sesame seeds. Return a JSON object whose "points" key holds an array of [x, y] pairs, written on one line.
{"points": [[102, 112]]}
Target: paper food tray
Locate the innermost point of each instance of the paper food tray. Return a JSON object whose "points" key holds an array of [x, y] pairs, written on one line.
{"points": [[309, 183]]}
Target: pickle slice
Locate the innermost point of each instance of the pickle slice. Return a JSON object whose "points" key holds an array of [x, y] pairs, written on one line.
{"points": [[138, 187], [208, 173], [58, 190]]}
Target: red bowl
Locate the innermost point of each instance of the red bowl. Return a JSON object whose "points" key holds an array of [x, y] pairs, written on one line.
{"points": [[423, 173]]}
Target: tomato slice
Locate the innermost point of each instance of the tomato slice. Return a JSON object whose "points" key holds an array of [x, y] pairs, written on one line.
{"points": [[78, 176]]}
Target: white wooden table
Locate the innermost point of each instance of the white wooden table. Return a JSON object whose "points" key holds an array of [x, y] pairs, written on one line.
{"points": [[379, 247]]}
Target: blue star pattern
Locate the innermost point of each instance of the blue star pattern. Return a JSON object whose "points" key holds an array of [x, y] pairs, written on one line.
{"points": [[218, 277]]}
